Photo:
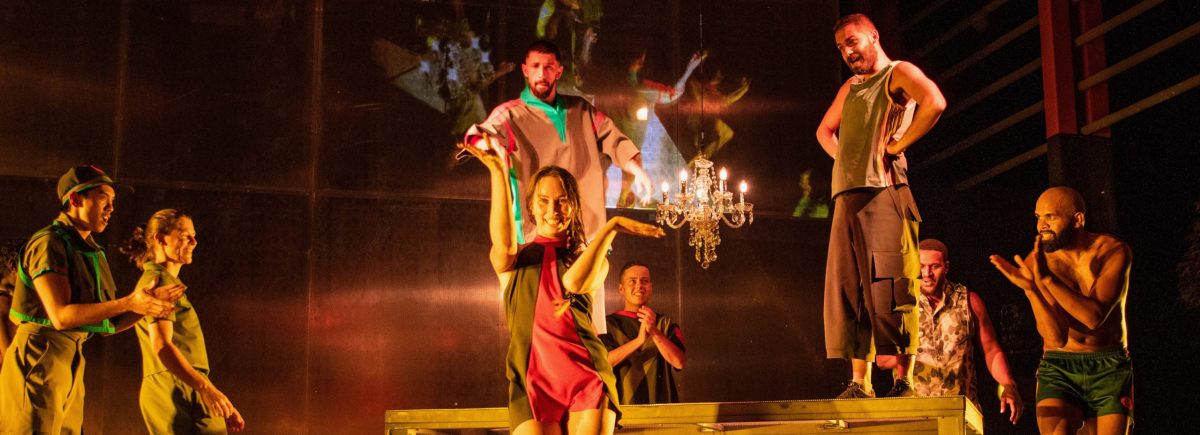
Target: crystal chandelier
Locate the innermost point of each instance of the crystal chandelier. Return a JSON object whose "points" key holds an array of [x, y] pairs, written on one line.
{"points": [[705, 203]]}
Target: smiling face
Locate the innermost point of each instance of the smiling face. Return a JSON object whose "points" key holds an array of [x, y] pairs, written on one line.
{"points": [[1060, 217], [179, 244], [542, 71], [857, 44], [93, 208], [636, 287], [551, 207]]}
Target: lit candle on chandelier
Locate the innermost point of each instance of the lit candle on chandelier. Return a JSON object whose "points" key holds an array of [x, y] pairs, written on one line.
{"points": [[666, 187], [683, 181], [742, 198], [723, 175]]}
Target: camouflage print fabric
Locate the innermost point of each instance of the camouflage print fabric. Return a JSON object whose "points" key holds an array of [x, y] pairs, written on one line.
{"points": [[946, 357]]}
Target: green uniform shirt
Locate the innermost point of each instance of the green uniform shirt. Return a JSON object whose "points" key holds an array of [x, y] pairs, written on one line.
{"points": [[185, 330], [59, 249]]}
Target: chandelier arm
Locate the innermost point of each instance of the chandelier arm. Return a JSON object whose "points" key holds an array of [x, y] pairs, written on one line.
{"points": [[737, 222]]}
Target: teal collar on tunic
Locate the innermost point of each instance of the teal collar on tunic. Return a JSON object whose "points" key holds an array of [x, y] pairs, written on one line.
{"points": [[557, 113]]}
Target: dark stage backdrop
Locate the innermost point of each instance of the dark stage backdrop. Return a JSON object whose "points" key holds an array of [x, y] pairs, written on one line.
{"points": [[342, 267]]}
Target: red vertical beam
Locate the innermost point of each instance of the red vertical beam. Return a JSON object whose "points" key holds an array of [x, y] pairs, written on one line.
{"points": [[1092, 60], [1058, 74]]}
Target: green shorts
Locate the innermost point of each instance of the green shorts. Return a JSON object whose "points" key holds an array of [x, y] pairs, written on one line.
{"points": [[1099, 383]]}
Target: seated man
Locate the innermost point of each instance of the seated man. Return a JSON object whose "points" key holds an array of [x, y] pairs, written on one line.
{"points": [[641, 344]]}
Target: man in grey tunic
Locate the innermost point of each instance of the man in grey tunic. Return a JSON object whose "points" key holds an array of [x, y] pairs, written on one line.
{"points": [[544, 128], [873, 269]]}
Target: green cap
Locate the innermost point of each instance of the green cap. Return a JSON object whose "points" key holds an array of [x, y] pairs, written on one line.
{"points": [[79, 179]]}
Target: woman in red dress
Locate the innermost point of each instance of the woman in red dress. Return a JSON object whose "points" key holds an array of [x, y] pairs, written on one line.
{"points": [[558, 371]]}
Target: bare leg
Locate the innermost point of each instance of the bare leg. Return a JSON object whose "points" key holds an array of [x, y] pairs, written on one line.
{"points": [[592, 421], [1112, 424], [531, 427], [903, 370], [1056, 416], [861, 373], [1089, 427], [609, 425], [724, 135], [886, 362]]}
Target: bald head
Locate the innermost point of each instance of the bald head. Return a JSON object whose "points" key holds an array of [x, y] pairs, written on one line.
{"points": [[1060, 217], [1064, 199]]}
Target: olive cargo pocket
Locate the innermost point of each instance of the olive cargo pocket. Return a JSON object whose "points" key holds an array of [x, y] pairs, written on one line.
{"points": [[890, 288]]}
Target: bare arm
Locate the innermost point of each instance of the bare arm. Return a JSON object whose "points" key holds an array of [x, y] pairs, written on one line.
{"points": [[669, 351], [55, 292], [828, 128], [997, 362], [161, 331], [908, 80], [500, 225], [1107, 291], [620, 353], [126, 321], [641, 180], [592, 265], [1051, 325], [169, 293], [668, 98]]}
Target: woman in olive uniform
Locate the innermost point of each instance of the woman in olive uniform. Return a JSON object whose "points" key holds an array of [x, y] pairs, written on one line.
{"points": [[177, 397]]}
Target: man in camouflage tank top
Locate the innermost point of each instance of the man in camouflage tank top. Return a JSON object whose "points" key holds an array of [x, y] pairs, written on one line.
{"points": [[953, 320]]}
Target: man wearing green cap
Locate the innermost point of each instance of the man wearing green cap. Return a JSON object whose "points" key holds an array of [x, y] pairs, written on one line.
{"points": [[64, 294]]}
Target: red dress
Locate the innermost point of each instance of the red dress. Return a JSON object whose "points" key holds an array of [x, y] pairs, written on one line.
{"points": [[561, 376]]}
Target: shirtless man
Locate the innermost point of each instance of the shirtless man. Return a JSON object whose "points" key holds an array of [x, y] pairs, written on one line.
{"points": [[1076, 282]]}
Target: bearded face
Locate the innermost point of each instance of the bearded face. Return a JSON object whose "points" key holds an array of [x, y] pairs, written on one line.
{"points": [[542, 72], [1059, 213], [856, 44], [1055, 239], [862, 61]]}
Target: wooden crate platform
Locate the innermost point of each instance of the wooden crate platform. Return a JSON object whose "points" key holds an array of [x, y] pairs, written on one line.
{"points": [[914, 415]]}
